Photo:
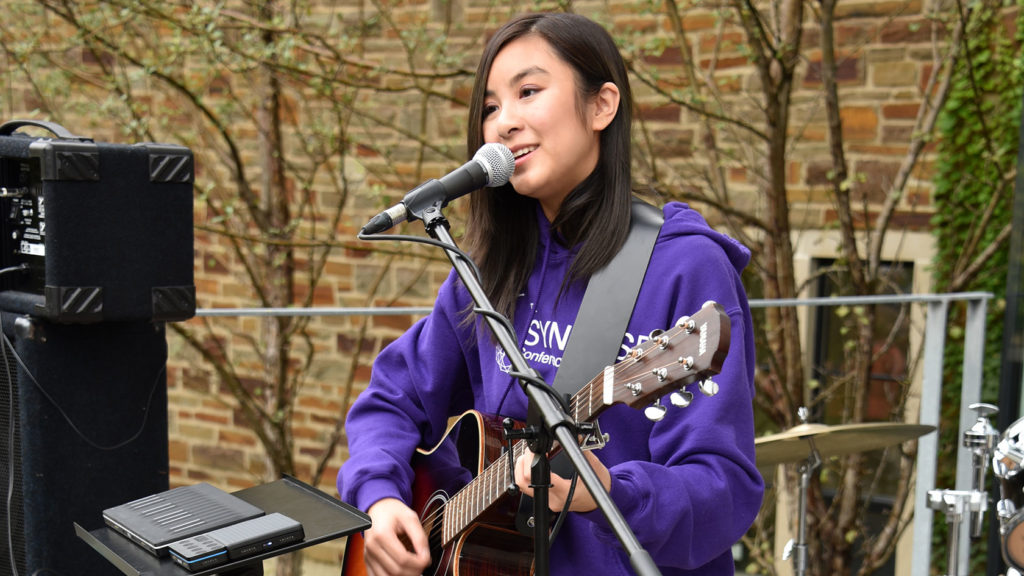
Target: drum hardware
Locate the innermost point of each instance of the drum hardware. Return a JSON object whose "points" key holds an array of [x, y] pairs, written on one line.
{"points": [[1006, 465], [798, 550], [980, 439], [806, 443], [956, 503]]}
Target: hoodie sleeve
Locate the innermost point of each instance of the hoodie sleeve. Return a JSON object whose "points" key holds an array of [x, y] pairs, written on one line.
{"points": [[688, 485], [411, 394]]}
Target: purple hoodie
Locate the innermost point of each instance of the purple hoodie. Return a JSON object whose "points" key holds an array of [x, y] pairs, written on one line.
{"points": [[687, 485]]}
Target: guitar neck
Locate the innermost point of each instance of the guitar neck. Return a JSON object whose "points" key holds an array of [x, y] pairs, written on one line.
{"points": [[493, 483]]}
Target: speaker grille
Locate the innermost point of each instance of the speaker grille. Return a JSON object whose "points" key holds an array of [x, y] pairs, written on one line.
{"points": [[10, 465]]}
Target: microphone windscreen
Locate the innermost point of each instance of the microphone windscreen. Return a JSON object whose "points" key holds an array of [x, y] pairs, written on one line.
{"points": [[498, 161]]}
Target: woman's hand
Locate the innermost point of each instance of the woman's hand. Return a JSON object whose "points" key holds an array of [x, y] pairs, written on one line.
{"points": [[395, 544], [582, 500]]}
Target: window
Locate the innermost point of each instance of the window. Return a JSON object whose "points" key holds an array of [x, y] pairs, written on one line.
{"points": [[834, 341]]}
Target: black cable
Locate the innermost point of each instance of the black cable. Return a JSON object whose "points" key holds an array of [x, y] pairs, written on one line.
{"points": [[565, 508], [142, 427], [503, 320], [23, 267], [11, 429], [10, 450], [543, 386], [422, 240]]}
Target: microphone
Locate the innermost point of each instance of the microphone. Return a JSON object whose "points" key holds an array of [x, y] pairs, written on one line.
{"points": [[491, 166]]}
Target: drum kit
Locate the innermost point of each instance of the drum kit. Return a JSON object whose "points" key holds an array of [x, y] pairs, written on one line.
{"points": [[806, 444], [1006, 466]]}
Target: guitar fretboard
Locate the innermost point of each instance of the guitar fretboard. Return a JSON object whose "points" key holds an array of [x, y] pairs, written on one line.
{"points": [[490, 485]]}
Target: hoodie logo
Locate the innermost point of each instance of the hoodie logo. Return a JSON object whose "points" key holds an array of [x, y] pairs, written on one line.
{"points": [[548, 334], [551, 338], [501, 359]]}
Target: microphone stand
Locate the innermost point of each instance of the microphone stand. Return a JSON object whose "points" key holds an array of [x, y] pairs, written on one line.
{"points": [[551, 422]]}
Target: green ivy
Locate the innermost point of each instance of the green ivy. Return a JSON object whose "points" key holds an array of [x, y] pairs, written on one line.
{"points": [[979, 132]]}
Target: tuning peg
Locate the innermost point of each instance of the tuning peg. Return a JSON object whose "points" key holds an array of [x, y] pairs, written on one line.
{"points": [[659, 337], [687, 324], [681, 399], [655, 412], [708, 387]]}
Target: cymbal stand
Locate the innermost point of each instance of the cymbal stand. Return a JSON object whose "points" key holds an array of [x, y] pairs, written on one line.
{"points": [[798, 549]]}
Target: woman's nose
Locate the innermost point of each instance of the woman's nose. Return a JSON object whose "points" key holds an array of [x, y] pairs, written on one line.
{"points": [[508, 122]]}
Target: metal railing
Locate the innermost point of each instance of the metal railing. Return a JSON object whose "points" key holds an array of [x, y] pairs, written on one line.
{"points": [[931, 393]]}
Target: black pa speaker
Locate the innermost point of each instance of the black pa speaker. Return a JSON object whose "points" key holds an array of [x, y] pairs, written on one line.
{"points": [[83, 427], [96, 254], [99, 231]]}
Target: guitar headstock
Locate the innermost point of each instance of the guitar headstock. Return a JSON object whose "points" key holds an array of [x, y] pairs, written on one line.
{"points": [[692, 351]]}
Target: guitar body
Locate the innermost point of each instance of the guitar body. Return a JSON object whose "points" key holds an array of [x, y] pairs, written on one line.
{"points": [[491, 545]]}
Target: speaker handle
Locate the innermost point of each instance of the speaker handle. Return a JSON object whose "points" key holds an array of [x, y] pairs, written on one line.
{"points": [[10, 127]]}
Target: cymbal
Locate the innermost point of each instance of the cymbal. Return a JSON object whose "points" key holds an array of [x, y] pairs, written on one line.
{"points": [[792, 445]]}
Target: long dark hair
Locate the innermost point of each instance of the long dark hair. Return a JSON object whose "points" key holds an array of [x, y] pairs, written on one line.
{"points": [[502, 229]]}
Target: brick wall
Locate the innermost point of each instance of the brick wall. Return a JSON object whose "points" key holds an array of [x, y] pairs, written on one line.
{"points": [[396, 138], [886, 57]]}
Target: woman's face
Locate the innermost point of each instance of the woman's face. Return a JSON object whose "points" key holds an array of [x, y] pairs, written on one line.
{"points": [[530, 105]]}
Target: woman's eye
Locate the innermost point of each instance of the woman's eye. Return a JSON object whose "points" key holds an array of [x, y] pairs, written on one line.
{"points": [[528, 91], [489, 109]]}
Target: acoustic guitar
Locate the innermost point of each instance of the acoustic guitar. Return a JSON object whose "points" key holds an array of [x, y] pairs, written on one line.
{"points": [[468, 510]]}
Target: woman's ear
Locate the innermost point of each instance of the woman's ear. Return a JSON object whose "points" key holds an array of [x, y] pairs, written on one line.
{"points": [[605, 106]]}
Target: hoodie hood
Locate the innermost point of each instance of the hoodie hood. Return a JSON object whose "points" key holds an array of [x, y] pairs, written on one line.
{"points": [[681, 220]]}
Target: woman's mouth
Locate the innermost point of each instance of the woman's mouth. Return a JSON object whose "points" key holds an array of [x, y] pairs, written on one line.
{"points": [[523, 152]]}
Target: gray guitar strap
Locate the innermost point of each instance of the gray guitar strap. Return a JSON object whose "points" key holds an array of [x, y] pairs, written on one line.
{"points": [[600, 324], [608, 304]]}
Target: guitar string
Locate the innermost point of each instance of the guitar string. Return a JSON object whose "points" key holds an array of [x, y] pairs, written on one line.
{"points": [[499, 467]]}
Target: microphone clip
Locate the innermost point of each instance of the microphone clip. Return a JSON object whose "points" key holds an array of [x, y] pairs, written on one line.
{"points": [[419, 204]]}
